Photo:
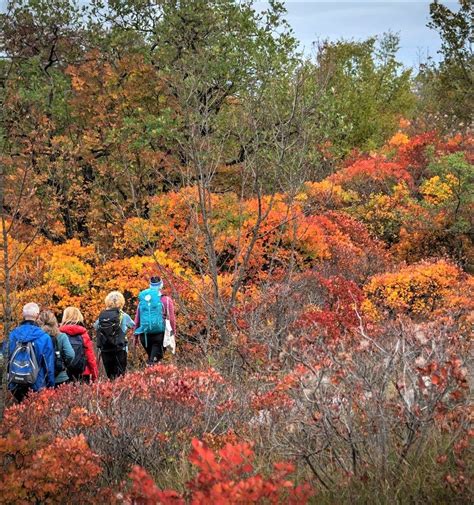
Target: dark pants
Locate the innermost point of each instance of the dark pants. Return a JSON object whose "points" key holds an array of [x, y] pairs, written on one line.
{"points": [[19, 392], [115, 363], [153, 345], [85, 379]]}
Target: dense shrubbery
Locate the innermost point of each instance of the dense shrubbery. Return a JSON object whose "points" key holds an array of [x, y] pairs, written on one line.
{"points": [[360, 412], [318, 245], [353, 368]]}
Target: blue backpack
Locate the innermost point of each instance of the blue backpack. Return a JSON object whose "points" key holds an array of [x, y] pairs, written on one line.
{"points": [[23, 366], [151, 312]]}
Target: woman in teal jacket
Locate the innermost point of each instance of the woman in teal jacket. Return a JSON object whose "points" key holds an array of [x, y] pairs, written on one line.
{"points": [[64, 353]]}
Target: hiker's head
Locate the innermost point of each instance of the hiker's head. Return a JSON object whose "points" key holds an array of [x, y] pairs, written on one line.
{"points": [[31, 311], [72, 315], [156, 282], [114, 300], [48, 322]]}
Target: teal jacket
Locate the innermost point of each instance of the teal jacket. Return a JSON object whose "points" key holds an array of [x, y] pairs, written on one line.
{"points": [[67, 354]]}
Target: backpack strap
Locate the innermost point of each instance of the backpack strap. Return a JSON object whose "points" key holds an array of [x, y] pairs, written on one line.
{"points": [[43, 359]]}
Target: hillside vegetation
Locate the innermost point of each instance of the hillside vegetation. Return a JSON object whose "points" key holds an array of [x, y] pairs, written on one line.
{"points": [[311, 218]]}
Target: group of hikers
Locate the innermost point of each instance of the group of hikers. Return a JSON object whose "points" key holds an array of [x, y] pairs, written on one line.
{"points": [[43, 353]]}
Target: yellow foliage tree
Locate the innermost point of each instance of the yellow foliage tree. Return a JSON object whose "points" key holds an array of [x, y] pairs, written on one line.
{"points": [[419, 289]]}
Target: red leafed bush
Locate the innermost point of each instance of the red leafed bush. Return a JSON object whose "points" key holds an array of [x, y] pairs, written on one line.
{"points": [[35, 471], [414, 155], [278, 396], [337, 317], [78, 407], [144, 417], [372, 174], [145, 492], [225, 477]]}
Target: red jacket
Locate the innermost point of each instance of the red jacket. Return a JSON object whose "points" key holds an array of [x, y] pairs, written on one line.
{"points": [[91, 363], [168, 310]]}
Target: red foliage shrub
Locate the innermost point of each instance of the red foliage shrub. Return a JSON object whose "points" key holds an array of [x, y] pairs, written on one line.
{"points": [[225, 477], [278, 396], [337, 317], [144, 417], [38, 471], [373, 174], [77, 407], [145, 492], [414, 155]]}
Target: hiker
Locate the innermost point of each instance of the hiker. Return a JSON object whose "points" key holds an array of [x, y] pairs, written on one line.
{"points": [[84, 365], [31, 364], [112, 327], [63, 351], [153, 309]]}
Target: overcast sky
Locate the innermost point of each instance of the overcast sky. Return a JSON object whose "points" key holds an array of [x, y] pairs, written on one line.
{"points": [[313, 19], [355, 19]]}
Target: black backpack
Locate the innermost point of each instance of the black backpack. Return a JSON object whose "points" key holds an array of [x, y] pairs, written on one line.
{"points": [[110, 336], [58, 359], [77, 366]]}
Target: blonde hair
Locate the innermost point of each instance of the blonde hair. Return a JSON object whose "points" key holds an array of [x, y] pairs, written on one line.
{"points": [[72, 315], [48, 322], [114, 300]]}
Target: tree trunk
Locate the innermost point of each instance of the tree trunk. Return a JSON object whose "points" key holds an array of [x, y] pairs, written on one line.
{"points": [[7, 307]]}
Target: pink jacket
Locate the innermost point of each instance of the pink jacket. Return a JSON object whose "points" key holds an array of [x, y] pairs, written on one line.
{"points": [[168, 311]]}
